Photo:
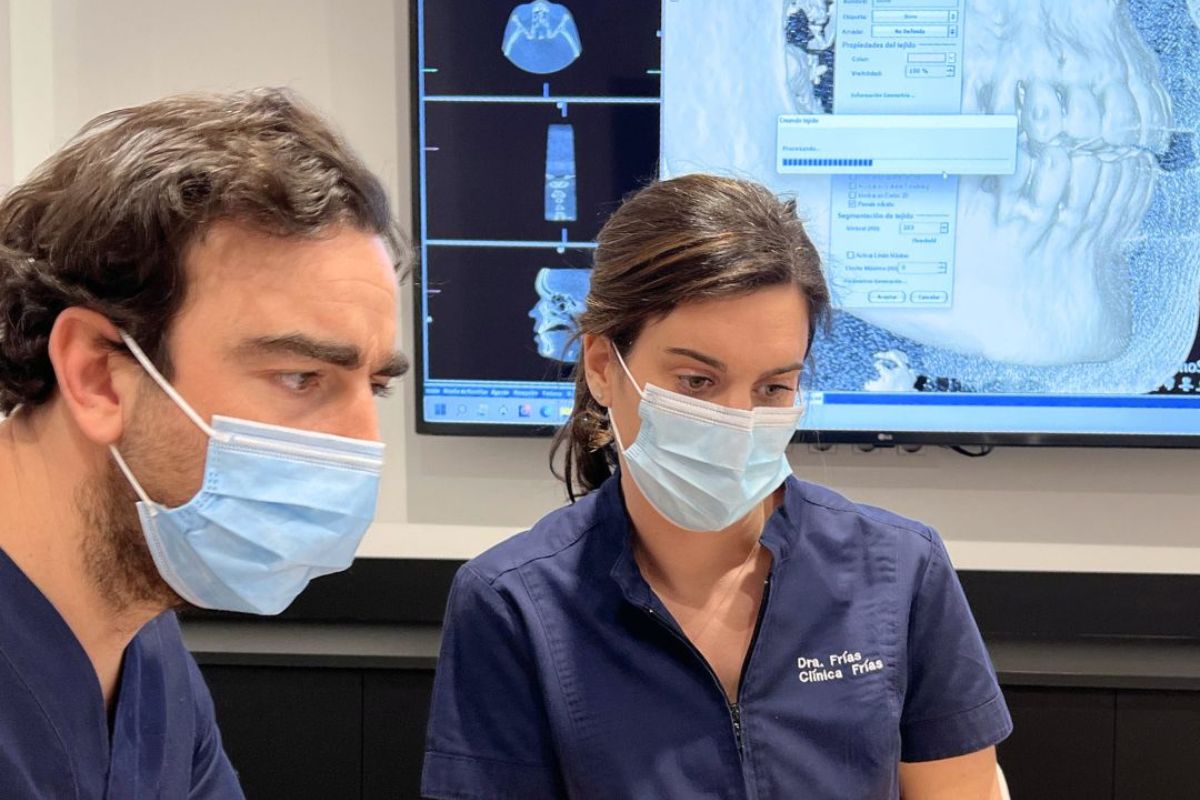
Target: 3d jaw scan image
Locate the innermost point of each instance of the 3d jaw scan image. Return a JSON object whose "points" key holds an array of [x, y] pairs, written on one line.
{"points": [[541, 38], [561, 296], [1076, 272]]}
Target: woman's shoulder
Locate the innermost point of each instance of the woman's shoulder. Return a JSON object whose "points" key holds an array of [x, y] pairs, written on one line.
{"points": [[820, 508], [552, 539]]}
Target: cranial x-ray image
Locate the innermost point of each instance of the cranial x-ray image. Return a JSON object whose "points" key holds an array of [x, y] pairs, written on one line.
{"points": [[561, 296], [560, 174], [541, 37]]}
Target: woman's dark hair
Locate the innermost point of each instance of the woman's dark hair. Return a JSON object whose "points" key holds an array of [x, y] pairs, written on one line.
{"points": [[683, 240], [105, 222]]}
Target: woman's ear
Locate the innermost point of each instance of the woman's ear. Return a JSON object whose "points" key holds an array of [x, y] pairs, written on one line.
{"points": [[597, 361], [84, 351]]}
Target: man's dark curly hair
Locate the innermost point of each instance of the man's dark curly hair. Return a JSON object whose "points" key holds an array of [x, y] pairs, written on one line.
{"points": [[105, 222]]}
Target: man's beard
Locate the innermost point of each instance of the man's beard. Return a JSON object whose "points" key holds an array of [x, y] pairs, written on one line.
{"points": [[115, 552]]}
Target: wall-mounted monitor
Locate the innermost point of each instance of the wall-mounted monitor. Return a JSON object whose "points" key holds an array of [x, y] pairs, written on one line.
{"points": [[1006, 195]]}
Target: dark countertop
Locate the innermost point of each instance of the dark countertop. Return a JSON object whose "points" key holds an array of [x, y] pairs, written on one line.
{"points": [[302, 644], [1152, 664]]}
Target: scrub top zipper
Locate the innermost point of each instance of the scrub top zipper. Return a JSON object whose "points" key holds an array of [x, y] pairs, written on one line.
{"points": [[735, 708]]}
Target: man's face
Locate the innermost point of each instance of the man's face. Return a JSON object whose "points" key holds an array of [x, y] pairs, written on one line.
{"points": [[291, 332]]}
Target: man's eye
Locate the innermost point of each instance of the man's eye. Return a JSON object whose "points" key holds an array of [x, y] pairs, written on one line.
{"points": [[382, 389], [299, 382]]}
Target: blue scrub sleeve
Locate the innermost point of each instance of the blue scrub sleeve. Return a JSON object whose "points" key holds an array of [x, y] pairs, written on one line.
{"points": [[489, 733], [213, 777], [953, 705]]}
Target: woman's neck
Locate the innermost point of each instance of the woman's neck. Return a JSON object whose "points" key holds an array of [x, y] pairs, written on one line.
{"points": [[688, 564]]}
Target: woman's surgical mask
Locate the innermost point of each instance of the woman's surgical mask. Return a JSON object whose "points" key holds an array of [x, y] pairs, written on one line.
{"points": [[278, 507], [701, 465]]}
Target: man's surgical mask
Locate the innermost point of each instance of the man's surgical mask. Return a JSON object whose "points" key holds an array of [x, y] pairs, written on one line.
{"points": [[278, 507], [701, 465]]}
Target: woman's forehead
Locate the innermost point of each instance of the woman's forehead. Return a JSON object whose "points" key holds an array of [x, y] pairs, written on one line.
{"points": [[769, 324]]}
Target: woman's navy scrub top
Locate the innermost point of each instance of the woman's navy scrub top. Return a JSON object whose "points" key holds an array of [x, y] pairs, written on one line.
{"points": [[55, 739], [562, 674]]}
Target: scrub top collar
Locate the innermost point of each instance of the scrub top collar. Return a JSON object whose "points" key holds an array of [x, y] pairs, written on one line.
{"points": [[49, 659], [611, 511]]}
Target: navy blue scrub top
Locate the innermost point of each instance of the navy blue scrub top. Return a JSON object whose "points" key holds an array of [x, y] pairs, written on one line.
{"points": [[563, 675], [54, 731]]}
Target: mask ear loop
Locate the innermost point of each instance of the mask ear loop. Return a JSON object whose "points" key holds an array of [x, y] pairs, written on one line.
{"points": [[169, 390], [628, 374], [137, 487], [190, 412], [612, 422]]}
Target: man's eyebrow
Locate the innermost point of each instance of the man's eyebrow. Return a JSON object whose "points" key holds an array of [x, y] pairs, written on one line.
{"points": [[394, 367], [346, 356], [338, 354]]}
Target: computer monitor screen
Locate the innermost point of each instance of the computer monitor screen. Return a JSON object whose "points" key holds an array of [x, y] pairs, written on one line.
{"points": [[1006, 195]]}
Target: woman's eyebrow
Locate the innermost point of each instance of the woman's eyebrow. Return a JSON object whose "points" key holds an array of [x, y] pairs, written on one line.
{"points": [[795, 367], [715, 363]]}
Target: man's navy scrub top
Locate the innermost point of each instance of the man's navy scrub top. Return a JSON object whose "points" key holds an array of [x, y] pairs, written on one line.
{"points": [[562, 674], [54, 730]]}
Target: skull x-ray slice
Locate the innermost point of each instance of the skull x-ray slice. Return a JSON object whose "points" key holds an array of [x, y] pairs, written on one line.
{"points": [[1073, 274], [541, 37], [561, 297], [560, 173]]}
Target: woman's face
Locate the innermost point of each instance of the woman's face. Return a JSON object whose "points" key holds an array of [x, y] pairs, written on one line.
{"points": [[740, 353]]}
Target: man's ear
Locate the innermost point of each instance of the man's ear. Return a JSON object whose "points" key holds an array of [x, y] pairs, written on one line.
{"points": [[597, 360], [94, 378]]}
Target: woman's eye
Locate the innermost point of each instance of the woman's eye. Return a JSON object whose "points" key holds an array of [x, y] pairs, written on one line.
{"points": [[299, 382], [695, 383]]}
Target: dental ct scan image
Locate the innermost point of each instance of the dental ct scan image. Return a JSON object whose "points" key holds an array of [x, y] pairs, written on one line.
{"points": [[1006, 195]]}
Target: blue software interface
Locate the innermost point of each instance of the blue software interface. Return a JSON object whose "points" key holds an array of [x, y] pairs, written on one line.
{"points": [[1006, 194]]}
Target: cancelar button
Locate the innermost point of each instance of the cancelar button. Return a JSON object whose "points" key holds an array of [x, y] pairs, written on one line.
{"points": [[930, 297], [886, 298]]}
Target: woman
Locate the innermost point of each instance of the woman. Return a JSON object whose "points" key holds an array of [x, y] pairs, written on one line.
{"points": [[698, 623]]}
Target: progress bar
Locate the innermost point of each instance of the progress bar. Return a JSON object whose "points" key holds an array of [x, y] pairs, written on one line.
{"points": [[549, 244], [525, 98]]}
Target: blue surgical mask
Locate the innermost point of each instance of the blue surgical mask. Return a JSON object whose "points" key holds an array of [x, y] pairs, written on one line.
{"points": [[278, 507], [701, 465]]}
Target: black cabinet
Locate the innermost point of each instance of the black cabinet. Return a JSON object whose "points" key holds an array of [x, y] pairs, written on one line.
{"points": [[395, 714], [1157, 745], [1061, 747], [324, 734], [294, 733], [339, 712]]}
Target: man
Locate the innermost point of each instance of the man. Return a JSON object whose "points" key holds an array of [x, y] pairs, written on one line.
{"points": [[181, 273]]}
